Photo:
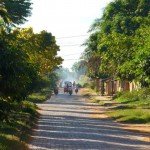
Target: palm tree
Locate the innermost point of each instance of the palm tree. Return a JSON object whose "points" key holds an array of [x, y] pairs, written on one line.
{"points": [[3, 15]]}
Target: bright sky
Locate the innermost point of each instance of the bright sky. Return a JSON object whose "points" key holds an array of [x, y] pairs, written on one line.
{"points": [[69, 21]]}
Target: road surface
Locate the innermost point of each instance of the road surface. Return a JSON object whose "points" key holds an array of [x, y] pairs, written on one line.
{"points": [[70, 122]]}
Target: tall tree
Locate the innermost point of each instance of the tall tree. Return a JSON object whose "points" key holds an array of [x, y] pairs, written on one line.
{"points": [[14, 12], [16, 74], [123, 16], [120, 29], [41, 48], [25, 57]]}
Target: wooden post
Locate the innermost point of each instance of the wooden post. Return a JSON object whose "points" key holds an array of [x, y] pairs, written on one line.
{"points": [[102, 88], [97, 85]]}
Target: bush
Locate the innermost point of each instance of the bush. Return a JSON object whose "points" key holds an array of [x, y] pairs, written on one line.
{"points": [[140, 98], [5, 110], [28, 107], [92, 85], [118, 94], [84, 81]]}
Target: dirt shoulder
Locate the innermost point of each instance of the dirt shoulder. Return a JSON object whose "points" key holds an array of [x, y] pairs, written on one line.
{"points": [[143, 129]]}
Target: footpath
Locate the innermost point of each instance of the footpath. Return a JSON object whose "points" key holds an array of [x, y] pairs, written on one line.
{"points": [[143, 129]]}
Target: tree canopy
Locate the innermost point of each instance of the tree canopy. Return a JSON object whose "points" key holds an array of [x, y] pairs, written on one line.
{"points": [[122, 40], [28, 59], [14, 12], [25, 56]]}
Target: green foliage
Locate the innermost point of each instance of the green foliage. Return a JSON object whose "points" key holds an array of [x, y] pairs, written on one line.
{"points": [[29, 107], [121, 40], [118, 94], [40, 96], [131, 116], [53, 79], [41, 48], [28, 56], [140, 98], [92, 85], [26, 60], [83, 81], [11, 143], [15, 133], [17, 74], [15, 11], [5, 109], [133, 107], [78, 69], [122, 16]]}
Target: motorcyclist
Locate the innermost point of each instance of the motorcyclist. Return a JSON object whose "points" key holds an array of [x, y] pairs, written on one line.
{"points": [[74, 83], [56, 89], [76, 88], [70, 89]]}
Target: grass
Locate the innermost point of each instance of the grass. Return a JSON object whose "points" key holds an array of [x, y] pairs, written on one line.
{"points": [[134, 107], [10, 142], [137, 116], [94, 100], [140, 98], [39, 97], [129, 107], [16, 133], [86, 92]]}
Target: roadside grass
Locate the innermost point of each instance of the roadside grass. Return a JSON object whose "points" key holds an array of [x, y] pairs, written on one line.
{"points": [[140, 98], [134, 107], [39, 97], [86, 92], [129, 107], [135, 116], [10, 142], [95, 100], [15, 134]]}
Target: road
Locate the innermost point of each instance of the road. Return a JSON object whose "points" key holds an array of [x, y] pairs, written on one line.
{"points": [[71, 122]]}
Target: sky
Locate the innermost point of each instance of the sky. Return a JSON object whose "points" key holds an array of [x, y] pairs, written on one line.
{"points": [[67, 20]]}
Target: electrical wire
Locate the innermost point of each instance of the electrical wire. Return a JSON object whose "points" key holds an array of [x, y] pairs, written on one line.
{"points": [[70, 54], [72, 59], [71, 45], [72, 36]]}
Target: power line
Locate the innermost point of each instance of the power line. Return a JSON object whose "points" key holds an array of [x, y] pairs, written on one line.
{"points": [[72, 59], [71, 54], [72, 36], [70, 45]]}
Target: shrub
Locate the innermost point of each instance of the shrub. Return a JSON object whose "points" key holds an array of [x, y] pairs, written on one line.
{"points": [[118, 94], [92, 85], [140, 98], [28, 107], [5, 109]]}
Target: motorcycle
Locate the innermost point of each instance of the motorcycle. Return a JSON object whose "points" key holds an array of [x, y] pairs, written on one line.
{"points": [[70, 90], [55, 91], [76, 90]]}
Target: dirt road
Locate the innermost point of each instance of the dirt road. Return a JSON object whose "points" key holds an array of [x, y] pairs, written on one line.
{"points": [[69, 122]]}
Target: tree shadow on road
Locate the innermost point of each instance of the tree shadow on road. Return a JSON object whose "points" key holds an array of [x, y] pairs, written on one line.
{"points": [[75, 132]]}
